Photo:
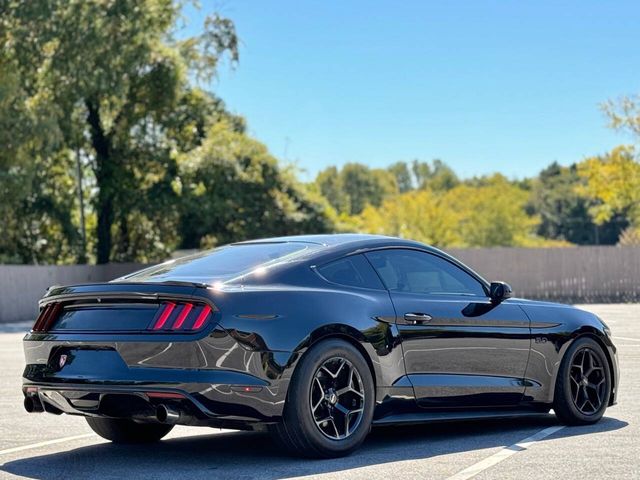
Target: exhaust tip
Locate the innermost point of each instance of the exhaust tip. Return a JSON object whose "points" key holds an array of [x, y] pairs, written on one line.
{"points": [[166, 414], [33, 405]]}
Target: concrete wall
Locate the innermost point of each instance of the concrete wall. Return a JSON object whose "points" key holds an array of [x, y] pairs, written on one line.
{"points": [[21, 286], [572, 275]]}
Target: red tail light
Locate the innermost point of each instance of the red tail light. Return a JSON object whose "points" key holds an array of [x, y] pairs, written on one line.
{"points": [[170, 316], [167, 309], [48, 315], [186, 308], [202, 318], [181, 317]]}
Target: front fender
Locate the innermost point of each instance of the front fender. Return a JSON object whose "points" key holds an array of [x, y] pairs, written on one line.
{"points": [[554, 327]]}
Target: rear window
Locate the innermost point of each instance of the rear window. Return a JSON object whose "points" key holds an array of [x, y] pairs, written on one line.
{"points": [[222, 263]]}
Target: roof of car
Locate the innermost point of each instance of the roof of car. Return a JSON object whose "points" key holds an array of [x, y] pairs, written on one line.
{"points": [[336, 245], [343, 243], [324, 239]]}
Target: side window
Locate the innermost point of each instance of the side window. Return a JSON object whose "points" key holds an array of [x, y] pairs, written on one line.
{"points": [[354, 271], [420, 272]]}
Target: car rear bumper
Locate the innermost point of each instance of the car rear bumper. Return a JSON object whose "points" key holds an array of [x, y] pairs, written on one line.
{"points": [[213, 378], [142, 404], [205, 397]]}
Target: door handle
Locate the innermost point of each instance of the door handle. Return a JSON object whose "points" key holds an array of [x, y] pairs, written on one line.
{"points": [[417, 318]]}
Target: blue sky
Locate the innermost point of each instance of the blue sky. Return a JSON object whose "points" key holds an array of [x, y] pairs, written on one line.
{"points": [[483, 85]]}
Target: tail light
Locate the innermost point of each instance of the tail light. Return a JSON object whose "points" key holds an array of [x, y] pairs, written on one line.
{"points": [[169, 316], [48, 315], [180, 317]]}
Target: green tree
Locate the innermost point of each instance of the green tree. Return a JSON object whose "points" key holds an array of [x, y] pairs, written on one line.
{"points": [[493, 214], [355, 186], [487, 214], [419, 215], [233, 189], [437, 176], [613, 182], [329, 183], [404, 178], [107, 74], [564, 213]]}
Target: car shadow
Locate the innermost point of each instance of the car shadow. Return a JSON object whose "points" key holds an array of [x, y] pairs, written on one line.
{"points": [[255, 455]]}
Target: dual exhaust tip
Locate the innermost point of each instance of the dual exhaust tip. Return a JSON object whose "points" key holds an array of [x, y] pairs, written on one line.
{"points": [[164, 413]]}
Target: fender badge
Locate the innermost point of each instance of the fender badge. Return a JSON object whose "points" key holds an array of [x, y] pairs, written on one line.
{"points": [[62, 360]]}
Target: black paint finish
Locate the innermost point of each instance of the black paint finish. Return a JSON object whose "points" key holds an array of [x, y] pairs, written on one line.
{"points": [[451, 351]]}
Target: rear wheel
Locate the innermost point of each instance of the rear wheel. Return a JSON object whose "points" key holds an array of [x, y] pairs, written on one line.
{"points": [[128, 431], [330, 402], [583, 387]]}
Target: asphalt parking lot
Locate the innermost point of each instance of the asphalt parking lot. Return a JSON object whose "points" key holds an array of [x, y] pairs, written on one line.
{"points": [[51, 447]]}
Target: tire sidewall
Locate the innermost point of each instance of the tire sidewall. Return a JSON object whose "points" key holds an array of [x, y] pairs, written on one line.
{"points": [[298, 398]]}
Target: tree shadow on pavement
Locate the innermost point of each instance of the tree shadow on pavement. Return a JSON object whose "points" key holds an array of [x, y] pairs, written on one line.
{"points": [[254, 455]]}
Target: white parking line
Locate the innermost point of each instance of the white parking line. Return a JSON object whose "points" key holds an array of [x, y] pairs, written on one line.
{"points": [[44, 444], [626, 338], [503, 454]]}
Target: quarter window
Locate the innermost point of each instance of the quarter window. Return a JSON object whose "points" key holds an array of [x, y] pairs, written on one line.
{"points": [[413, 271], [354, 271]]}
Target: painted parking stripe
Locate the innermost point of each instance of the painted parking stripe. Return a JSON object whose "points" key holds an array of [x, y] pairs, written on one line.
{"points": [[31, 446], [46, 443], [626, 338], [503, 454]]}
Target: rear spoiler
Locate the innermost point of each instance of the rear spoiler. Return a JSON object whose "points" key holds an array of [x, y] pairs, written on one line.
{"points": [[146, 291]]}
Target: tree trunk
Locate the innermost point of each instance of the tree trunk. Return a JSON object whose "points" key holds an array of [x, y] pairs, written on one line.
{"points": [[105, 179]]}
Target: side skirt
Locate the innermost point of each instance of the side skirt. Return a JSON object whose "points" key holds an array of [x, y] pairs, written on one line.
{"points": [[455, 416]]}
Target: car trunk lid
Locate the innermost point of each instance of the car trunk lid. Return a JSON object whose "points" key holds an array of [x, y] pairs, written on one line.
{"points": [[170, 307]]}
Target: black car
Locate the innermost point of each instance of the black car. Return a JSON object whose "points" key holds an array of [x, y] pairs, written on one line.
{"points": [[315, 339]]}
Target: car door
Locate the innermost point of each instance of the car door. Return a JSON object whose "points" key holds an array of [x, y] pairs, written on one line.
{"points": [[460, 349]]}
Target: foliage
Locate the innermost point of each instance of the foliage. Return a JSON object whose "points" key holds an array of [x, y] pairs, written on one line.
{"points": [[107, 91], [630, 237], [403, 175], [355, 186], [437, 176], [421, 216], [624, 114], [108, 75], [490, 214], [233, 189], [564, 213], [104, 84], [613, 181]]}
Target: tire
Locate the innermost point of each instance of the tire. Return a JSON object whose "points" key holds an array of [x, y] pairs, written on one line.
{"points": [[583, 386], [128, 431], [301, 430]]}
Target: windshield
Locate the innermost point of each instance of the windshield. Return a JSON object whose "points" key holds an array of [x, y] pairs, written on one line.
{"points": [[221, 264]]}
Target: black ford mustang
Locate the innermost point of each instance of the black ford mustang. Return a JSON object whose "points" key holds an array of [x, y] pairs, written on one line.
{"points": [[314, 338]]}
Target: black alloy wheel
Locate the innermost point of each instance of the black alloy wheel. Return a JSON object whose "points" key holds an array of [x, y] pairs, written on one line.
{"points": [[588, 381], [337, 398], [583, 386]]}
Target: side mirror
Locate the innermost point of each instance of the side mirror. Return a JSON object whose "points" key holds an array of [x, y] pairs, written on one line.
{"points": [[499, 291]]}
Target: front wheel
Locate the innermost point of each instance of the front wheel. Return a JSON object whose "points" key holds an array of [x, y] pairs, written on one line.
{"points": [[127, 431], [330, 402], [583, 386]]}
